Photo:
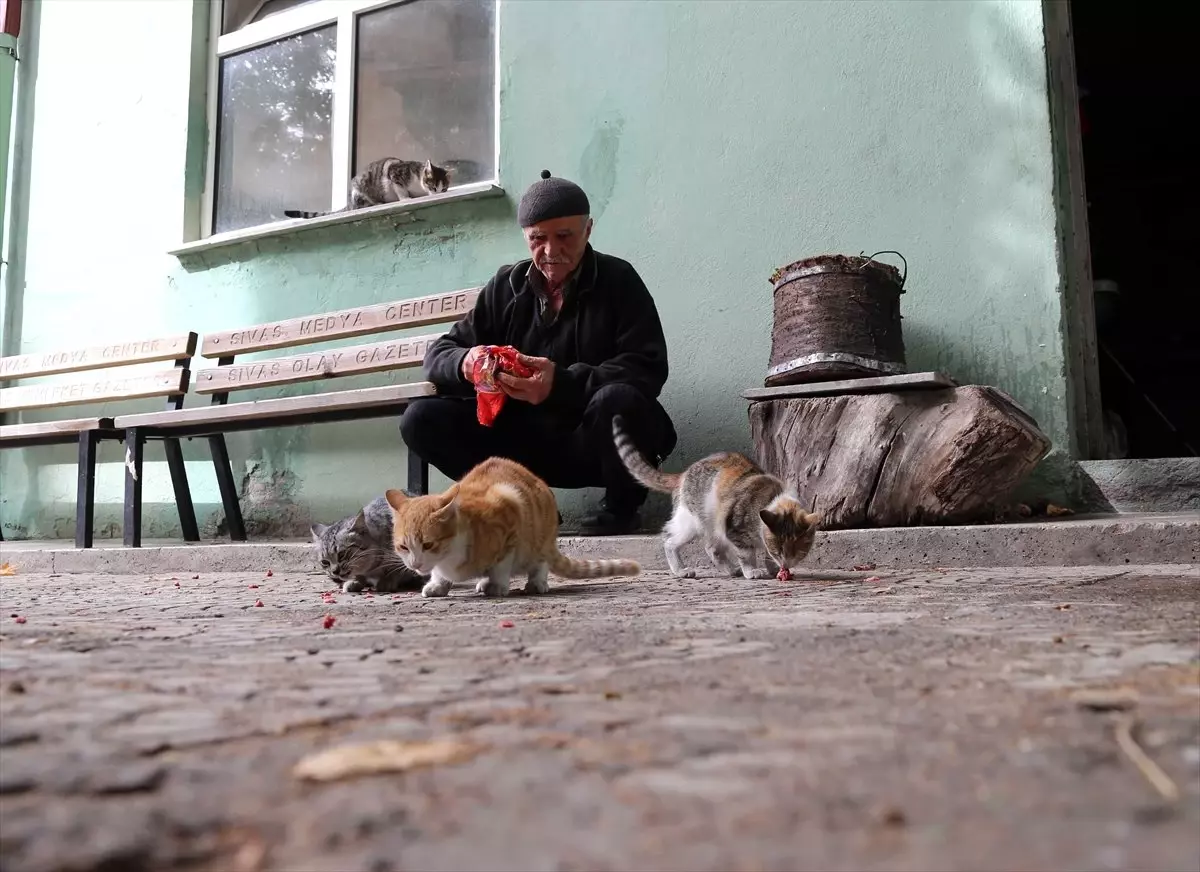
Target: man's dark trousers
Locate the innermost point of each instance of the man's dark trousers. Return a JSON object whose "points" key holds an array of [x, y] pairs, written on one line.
{"points": [[564, 452]]}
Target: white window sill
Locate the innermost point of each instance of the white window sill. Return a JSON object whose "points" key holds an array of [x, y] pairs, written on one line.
{"points": [[292, 226]]}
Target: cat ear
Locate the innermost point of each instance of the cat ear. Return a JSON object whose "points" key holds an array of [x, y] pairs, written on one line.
{"points": [[449, 502], [396, 498], [317, 530], [360, 520], [769, 518], [428, 165]]}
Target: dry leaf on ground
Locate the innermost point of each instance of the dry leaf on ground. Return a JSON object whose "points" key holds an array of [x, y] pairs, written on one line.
{"points": [[8, 569], [370, 758], [1114, 699]]}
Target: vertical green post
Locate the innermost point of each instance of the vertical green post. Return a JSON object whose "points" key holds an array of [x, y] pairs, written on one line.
{"points": [[8, 80]]}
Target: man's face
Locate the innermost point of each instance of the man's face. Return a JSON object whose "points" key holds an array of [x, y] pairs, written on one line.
{"points": [[557, 245]]}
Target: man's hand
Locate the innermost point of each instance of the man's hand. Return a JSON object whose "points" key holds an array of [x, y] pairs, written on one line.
{"points": [[468, 364], [535, 389]]}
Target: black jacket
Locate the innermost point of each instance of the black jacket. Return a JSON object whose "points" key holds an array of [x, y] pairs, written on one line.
{"points": [[607, 332]]}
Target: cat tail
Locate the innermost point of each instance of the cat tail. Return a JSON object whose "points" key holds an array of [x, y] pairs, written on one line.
{"points": [[665, 482], [569, 567], [298, 213]]}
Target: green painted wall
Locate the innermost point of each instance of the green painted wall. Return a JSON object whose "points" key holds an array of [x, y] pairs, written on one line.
{"points": [[717, 140]]}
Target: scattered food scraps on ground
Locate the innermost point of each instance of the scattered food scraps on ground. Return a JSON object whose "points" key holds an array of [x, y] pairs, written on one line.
{"points": [[371, 758], [329, 621], [269, 573], [507, 624], [194, 577], [887, 589], [863, 567], [19, 619], [8, 569], [253, 587], [1054, 511], [1062, 607], [784, 575], [258, 604], [872, 579]]}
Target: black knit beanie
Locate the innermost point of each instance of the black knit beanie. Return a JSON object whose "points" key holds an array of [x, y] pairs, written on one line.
{"points": [[551, 198]]}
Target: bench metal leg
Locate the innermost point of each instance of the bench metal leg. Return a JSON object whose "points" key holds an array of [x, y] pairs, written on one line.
{"points": [[85, 489], [135, 441], [229, 496], [418, 475], [183, 493]]}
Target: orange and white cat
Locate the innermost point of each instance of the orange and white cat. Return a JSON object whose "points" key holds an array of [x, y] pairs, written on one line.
{"points": [[499, 519], [739, 510]]}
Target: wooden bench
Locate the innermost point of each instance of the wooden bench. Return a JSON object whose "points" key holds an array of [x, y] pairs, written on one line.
{"points": [[101, 385], [221, 416]]}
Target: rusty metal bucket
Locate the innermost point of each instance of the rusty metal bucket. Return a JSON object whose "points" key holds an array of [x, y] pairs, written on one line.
{"points": [[836, 317]]}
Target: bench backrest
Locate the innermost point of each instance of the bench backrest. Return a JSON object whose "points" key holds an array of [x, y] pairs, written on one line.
{"points": [[333, 362], [107, 379]]}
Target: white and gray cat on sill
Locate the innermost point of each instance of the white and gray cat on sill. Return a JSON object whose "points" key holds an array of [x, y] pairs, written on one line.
{"points": [[390, 179]]}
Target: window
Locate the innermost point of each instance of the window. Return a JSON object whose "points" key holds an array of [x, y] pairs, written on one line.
{"points": [[308, 92]]}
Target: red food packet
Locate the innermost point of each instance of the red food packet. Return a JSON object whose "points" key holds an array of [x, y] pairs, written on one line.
{"points": [[489, 399]]}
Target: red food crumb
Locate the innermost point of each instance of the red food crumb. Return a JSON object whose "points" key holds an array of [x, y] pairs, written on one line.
{"points": [[253, 586], [269, 573], [19, 619], [329, 619], [506, 624], [784, 575], [864, 567], [258, 604], [872, 579], [177, 584]]}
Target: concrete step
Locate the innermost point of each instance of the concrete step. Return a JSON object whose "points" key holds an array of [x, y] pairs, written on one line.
{"points": [[1105, 540], [1169, 484]]}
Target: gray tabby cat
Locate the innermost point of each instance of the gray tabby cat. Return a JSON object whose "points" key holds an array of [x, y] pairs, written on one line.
{"points": [[388, 180], [358, 552]]}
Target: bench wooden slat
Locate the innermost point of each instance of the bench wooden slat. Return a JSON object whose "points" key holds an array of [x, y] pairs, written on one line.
{"points": [[11, 432], [378, 318], [334, 362], [362, 398], [104, 387], [98, 356]]}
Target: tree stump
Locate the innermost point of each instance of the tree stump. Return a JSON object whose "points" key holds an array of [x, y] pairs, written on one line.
{"points": [[898, 459]]}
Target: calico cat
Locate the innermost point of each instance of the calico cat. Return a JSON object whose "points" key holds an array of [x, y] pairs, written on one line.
{"points": [[388, 180], [738, 508], [357, 552], [499, 519]]}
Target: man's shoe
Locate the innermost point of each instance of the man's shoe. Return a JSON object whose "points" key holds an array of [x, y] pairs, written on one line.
{"points": [[606, 523]]}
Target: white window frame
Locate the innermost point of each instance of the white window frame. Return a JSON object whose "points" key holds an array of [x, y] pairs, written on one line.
{"points": [[320, 13]]}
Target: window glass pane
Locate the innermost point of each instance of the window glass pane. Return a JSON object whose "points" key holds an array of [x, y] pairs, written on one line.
{"points": [[425, 86], [236, 14], [274, 130]]}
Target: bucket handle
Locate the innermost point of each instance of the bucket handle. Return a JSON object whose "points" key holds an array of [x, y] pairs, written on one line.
{"points": [[871, 259]]}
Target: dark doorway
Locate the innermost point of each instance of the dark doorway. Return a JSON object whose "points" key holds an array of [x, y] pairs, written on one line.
{"points": [[1138, 90]]}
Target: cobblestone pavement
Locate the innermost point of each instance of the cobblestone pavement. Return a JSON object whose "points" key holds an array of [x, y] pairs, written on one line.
{"points": [[919, 720]]}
